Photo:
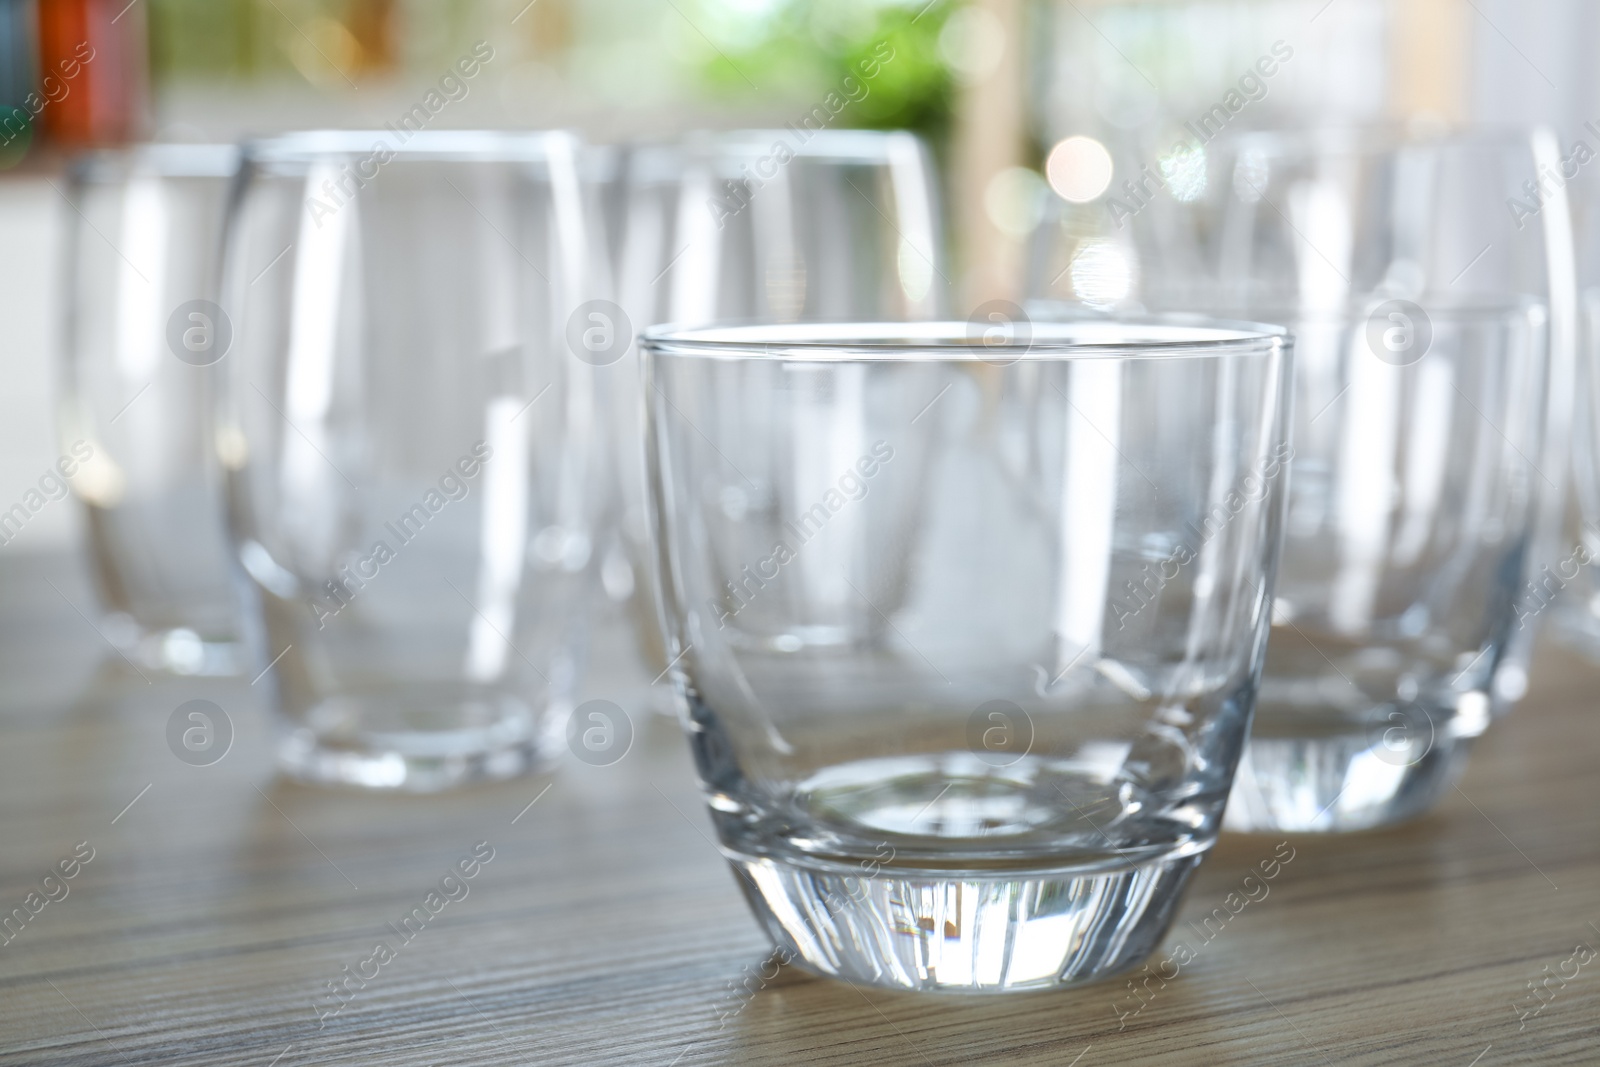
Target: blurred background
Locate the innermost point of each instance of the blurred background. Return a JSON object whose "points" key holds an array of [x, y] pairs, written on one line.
{"points": [[993, 85]]}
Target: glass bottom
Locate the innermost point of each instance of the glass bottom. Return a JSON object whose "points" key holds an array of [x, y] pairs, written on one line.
{"points": [[421, 739], [1336, 782], [941, 872], [944, 931], [179, 650]]}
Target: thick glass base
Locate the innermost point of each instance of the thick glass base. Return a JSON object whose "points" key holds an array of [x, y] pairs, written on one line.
{"points": [[302, 759], [179, 651], [1338, 783], [421, 741], [944, 931]]}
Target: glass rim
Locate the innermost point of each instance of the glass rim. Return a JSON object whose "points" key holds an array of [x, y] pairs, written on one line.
{"points": [[1277, 314], [1381, 138], [164, 159], [508, 146], [1143, 337], [834, 145], [663, 162]]}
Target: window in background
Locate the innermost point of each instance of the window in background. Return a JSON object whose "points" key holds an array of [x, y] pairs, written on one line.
{"points": [[633, 66]]}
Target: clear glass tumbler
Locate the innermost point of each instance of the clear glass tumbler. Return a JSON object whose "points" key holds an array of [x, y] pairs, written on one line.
{"points": [[783, 225], [1066, 545], [140, 336], [1433, 309], [415, 473], [1413, 519]]}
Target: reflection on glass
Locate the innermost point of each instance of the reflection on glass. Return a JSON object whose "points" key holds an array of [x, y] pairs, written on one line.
{"points": [[416, 475], [1434, 354], [776, 226], [967, 704], [139, 343]]}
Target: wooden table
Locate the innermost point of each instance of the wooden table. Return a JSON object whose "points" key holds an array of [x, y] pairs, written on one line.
{"points": [[220, 903]]}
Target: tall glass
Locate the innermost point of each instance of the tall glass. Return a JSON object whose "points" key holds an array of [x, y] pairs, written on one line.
{"points": [[1433, 311], [1005, 782], [139, 338], [765, 225], [415, 472]]}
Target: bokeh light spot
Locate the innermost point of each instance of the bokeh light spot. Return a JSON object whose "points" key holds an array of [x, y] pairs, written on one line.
{"points": [[1184, 171], [1079, 169], [1014, 201], [1101, 272]]}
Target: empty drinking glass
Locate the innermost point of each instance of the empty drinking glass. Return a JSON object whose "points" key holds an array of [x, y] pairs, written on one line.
{"points": [[1412, 521], [1432, 309], [415, 471], [1005, 781], [140, 335], [774, 226]]}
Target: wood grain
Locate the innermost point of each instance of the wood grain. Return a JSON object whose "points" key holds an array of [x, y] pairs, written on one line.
{"points": [[606, 929]]}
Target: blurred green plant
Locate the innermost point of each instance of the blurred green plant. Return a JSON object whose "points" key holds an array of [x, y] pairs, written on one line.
{"points": [[330, 42], [809, 47], [209, 38], [16, 134]]}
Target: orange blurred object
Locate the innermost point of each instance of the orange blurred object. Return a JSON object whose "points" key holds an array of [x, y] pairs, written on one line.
{"points": [[373, 24], [93, 71]]}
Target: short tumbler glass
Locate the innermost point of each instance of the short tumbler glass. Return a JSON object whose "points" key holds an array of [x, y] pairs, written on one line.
{"points": [[415, 474], [1413, 517], [140, 336], [1005, 780], [1432, 307]]}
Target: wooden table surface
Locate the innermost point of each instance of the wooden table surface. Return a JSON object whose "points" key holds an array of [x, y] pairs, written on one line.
{"points": [[220, 903]]}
